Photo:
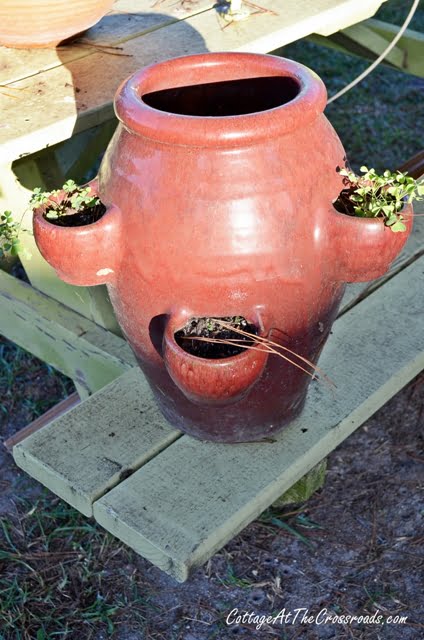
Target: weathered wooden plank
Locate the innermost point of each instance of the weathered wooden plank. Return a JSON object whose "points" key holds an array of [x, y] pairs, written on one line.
{"points": [[182, 508], [49, 111], [85, 452], [274, 24], [67, 341], [51, 414], [346, 15], [127, 20]]}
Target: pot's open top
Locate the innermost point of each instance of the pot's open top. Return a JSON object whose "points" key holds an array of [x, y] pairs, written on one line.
{"points": [[220, 99]]}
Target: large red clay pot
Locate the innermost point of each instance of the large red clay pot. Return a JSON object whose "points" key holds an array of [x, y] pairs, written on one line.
{"points": [[29, 24], [219, 185]]}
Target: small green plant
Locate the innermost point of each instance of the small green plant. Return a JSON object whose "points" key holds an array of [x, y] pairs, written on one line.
{"points": [[76, 199], [9, 235], [372, 195]]}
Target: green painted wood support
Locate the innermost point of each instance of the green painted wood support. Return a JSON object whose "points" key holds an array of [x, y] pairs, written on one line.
{"points": [[411, 44], [304, 488], [95, 142], [71, 343], [369, 39]]}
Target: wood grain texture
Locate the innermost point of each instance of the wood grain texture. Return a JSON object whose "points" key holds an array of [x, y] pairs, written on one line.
{"points": [[67, 341], [87, 451], [53, 103], [127, 20], [57, 410], [196, 496]]}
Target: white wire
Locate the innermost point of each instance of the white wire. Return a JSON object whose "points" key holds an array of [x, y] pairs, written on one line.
{"points": [[381, 57]]}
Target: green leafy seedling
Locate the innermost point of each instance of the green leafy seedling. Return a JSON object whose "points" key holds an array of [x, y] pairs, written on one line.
{"points": [[76, 200], [372, 195], [9, 235]]}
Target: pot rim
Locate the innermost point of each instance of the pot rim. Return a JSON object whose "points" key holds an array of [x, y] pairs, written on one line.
{"points": [[214, 131], [407, 212], [39, 214]]}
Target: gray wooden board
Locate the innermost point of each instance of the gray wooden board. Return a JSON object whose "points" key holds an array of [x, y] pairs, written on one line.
{"points": [[190, 500], [88, 450]]}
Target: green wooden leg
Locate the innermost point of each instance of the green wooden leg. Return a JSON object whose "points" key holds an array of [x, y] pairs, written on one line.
{"points": [[411, 44], [82, 390], [96, 140], [370, 38], [7, 262], [305, 487], [81, 349]]}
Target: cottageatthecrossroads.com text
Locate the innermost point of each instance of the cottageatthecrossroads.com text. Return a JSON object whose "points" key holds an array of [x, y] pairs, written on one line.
{"points": [[302, 615]]}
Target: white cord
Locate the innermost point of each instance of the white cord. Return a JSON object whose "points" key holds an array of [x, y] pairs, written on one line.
{"points": [[380, 57]]}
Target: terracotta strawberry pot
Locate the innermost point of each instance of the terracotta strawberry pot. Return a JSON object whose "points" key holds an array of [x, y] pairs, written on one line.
{"points": [[219, 185], [27, 24]]}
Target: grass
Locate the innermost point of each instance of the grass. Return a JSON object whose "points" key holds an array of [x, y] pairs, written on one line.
{"points": [[289, 522], [231, 579], [21, 371], [53, 581], [62, 576]]}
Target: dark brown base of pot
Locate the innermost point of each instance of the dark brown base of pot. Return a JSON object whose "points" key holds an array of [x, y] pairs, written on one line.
{"points": [[236, 433], [242, 421]]}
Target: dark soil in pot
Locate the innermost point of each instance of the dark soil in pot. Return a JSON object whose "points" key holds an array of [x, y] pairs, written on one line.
{"points": [[189, 337], [72, 218]]}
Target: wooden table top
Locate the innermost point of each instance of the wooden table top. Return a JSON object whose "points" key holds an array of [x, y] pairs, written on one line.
{"points": [[47, 95]]}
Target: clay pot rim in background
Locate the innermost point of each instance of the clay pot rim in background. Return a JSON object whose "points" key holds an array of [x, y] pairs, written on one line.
{"points": [[218, 131], [44, 24]]}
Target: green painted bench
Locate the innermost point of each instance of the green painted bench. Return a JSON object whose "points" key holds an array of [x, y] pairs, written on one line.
{"points": [[176, 500]]}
